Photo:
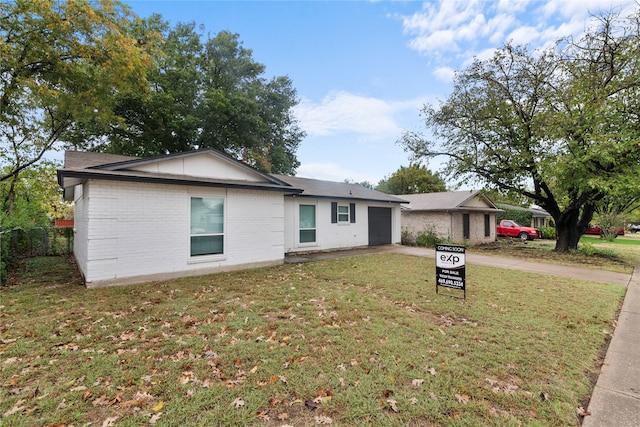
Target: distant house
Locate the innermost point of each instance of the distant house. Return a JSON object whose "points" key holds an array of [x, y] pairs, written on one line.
{"points": [[455, 216], [199, 212], [539, 217]]}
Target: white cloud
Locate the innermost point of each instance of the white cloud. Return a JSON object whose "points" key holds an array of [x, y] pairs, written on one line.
{"points": [[332, 172], [444, 74], [523, 35], [343, 112], [443, 27]]}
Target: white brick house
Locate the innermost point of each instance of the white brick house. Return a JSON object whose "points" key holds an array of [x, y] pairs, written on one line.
{"points": [[199, 212]]}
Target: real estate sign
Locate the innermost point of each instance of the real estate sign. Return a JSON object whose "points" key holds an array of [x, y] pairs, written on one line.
{"points": [[450, 267]]}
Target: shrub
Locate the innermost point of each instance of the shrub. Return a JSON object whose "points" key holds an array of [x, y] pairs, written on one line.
{"points": [[428, 239], [548, 232]]}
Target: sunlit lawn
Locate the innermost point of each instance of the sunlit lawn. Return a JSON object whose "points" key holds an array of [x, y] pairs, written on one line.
{"points": [[352, 341], [619, 255]]}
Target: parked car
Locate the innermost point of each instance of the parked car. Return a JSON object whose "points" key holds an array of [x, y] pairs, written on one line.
{"points": [[510, 228], [634, 228], [597, 230]]}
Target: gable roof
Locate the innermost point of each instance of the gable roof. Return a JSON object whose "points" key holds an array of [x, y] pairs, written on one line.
{"points": [[536, 211], [337, 190], [80, 166], [449, 201]]}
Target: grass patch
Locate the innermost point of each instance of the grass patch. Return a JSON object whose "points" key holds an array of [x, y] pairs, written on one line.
{"points": [[621, 255], [352, 341]]}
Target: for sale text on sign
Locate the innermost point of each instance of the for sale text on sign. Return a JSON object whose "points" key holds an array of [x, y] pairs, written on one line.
{"points": [[450, 267]]}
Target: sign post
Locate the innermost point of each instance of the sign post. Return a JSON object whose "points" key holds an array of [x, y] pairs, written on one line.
{"points": [[450, 268]]}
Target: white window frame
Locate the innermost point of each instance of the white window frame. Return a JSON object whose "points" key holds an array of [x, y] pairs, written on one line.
{"points": [[346, 215], [315, 211], [194, 259]]}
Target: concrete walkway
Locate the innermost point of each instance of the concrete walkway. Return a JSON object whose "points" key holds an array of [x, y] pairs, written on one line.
{"points": [[615, 401]]}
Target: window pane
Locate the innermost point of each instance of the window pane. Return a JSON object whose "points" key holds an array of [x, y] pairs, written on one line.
{"points": [[207, 215], [307, 216], [343, 213], [206, 245], [307, 236]]}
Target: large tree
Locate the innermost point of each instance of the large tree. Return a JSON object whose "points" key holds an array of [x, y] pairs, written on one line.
{"points": [[61, 63], [209, 93], [560, 126], [414, 179]]}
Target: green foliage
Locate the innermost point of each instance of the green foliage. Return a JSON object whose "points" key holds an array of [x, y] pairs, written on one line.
{"points": [[415, 179], [548, 232], [208, 93], [428, 239], [521, 216], [558, 126], [62, 64], [590, 250]]}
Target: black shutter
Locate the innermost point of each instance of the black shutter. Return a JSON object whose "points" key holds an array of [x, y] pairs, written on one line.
{"points": [[352, 212], [334, 212], [487, 225], [466, 229]]}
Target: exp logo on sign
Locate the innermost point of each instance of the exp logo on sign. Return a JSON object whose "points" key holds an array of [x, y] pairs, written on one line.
{"points": [[450, 260]]}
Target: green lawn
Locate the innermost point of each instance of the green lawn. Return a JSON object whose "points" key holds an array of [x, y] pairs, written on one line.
{"points": [[351, 341]]}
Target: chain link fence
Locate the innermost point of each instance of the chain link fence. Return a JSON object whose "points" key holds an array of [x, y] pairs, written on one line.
{"points": [[18, 243]]}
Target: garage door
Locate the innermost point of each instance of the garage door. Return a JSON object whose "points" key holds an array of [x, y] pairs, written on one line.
{"points": [[379, 226]]}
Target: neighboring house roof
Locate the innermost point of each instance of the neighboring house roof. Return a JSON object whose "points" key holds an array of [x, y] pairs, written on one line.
{"points": [[337, 190], [536, 211], [84, 165], [449, 201]]}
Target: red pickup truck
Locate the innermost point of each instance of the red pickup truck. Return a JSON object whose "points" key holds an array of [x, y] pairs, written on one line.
{"points": [[510, 228]]}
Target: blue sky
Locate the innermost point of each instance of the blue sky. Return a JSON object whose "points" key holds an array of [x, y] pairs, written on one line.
{"points": [[363, 69]]}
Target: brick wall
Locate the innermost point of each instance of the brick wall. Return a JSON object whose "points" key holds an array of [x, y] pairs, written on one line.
{"points": [[141, 230]]}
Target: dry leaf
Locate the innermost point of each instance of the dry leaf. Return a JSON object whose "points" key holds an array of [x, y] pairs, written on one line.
{"points": [[392, 405], [237, 402], [462, 398], [582, 412], [283, 416], [109, 421], [413, 401], [155, 417], [321, 419], [417, 382], [158, 407], [16, 408]]}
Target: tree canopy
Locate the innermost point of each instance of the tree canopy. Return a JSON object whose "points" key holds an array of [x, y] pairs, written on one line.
{"points": [[414, 179], [208, 92], [61, 63], [560, 126]]}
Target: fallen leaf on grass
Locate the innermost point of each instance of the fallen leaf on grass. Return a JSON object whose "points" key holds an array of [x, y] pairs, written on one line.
{"points": [[109, 421], [16, 408], [158, 407], [237, 403], [283, 416], [154, 418], [321, 419], [392, 405], [462, 398], [582, 412], [417, 382]]}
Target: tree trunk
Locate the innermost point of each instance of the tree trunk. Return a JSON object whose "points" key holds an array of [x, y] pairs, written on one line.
{"points": [[567, 237], [567, 234], [11, 195]]}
